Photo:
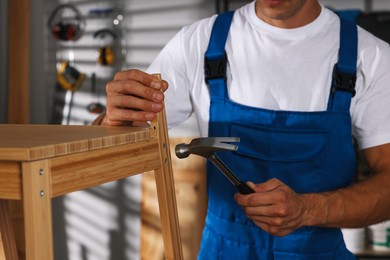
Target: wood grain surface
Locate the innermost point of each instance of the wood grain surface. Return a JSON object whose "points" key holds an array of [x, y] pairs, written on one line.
{"points": [[6, 233], [33, 142]]}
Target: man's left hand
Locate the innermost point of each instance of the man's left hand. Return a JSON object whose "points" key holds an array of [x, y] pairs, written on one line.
{"points": [[274, 207]]}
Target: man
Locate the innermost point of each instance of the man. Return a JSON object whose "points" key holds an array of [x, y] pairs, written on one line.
{"points": [[289, 92]]}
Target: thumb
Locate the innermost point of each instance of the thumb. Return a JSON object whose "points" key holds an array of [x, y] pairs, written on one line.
{"points": [[269, 185], [251, 185]]}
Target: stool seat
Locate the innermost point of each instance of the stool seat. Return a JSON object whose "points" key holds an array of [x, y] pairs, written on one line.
{"points": [[41, 162]]}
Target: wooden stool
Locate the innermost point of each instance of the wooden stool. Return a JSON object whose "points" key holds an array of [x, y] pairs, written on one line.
{"points": [[41, 162]]}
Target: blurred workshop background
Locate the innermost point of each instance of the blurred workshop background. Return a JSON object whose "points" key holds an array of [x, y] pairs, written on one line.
{"points": [[55, 60]]}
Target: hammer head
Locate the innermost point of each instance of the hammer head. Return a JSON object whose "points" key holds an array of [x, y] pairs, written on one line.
{"points": [[206, 146]]}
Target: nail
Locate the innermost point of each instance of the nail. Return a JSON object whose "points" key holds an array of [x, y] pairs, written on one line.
{"points": [[158, 96], [156, 106], [156, 85], [149, 116]]}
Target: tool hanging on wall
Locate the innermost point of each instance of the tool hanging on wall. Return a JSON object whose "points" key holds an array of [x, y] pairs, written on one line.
{"points": [[65, 27], [69, 77], [106, 55], [95, 107]]}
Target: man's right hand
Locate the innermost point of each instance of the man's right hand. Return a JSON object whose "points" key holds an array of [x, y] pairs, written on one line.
{"points": [[133, 96]]}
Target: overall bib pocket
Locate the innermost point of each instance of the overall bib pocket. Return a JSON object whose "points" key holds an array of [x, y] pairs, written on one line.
{"points": [[279, 145]]}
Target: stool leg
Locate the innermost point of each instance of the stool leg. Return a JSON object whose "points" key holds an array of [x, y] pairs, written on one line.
{"points": [[168, 215], [37, 210], [166, 190], [7, 238]]}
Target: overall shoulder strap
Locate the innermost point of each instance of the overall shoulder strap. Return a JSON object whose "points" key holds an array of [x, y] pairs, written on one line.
{"points": [[344, 71], [215, 61]]}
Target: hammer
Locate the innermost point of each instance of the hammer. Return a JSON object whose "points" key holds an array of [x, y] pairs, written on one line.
{"points": [[206, 147]]}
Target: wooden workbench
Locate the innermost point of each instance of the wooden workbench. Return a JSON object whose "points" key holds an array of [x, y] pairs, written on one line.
{"points": [[40, 162]]}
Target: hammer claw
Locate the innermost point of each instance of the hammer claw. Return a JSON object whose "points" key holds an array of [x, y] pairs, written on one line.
{"points": [[215, 140], [215, 143], [206, 147]]}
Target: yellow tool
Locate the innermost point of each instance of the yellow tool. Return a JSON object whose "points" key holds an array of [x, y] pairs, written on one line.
{"points": [[69, 77]]}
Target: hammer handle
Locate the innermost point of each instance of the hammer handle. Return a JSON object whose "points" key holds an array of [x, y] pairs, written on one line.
{"points": [[242, 187]]}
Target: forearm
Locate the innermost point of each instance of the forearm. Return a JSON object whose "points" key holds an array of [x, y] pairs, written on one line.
{"points": [[361, 204]]}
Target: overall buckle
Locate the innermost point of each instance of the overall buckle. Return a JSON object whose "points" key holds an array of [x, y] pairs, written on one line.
{"points": [[343, 81], [215, 68]]}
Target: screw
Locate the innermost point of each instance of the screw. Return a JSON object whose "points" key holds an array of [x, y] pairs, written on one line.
{"points": [[41, 172], [42, 193]]}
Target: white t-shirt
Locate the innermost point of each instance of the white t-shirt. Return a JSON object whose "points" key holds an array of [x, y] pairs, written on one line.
{"points": [[278, 69]]}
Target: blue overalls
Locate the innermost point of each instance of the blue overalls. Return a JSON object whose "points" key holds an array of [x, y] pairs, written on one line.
{"points": [[309, 151]]}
